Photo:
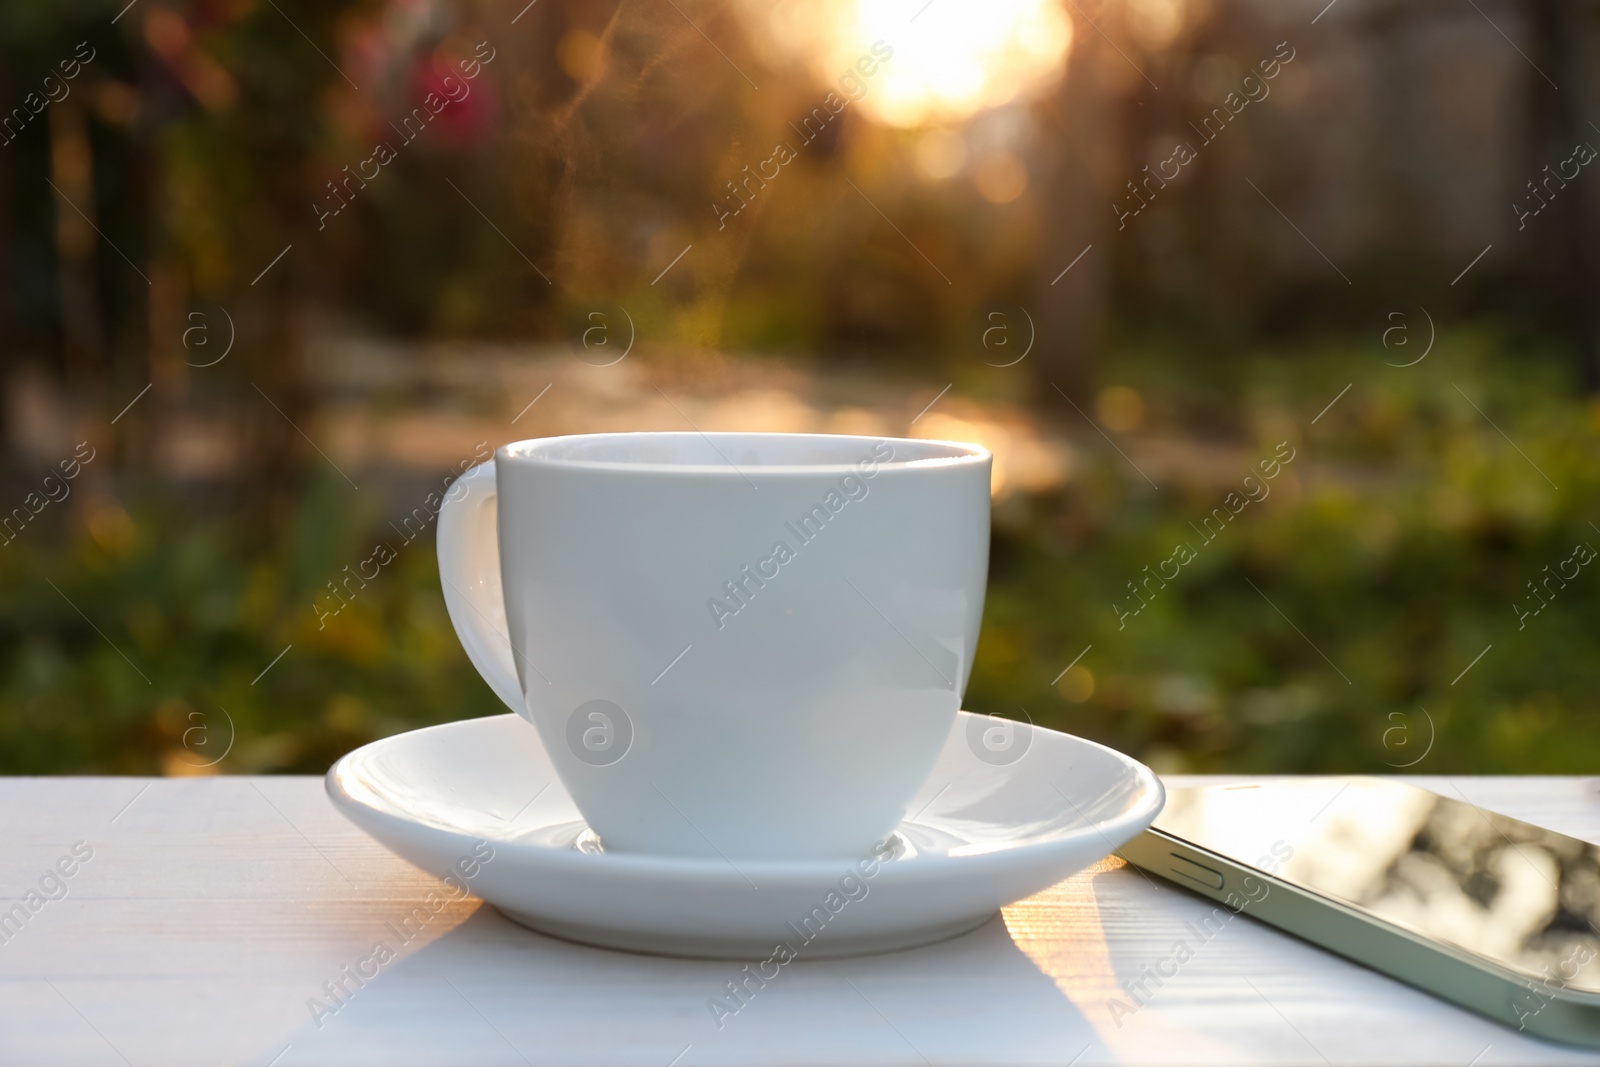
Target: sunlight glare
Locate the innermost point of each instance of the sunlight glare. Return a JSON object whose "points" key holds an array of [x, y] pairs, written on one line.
{"points": [[952, 58]]}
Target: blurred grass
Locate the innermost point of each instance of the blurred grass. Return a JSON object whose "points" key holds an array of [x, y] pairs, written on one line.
{"points": [[198, 610], [1394, 545], [1391, 549]]}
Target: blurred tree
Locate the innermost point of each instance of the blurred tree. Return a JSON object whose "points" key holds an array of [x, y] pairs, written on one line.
{"points": [[1082, 152], [1565, 263]]}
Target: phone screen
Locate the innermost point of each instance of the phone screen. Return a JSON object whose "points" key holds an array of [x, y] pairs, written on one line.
{"points": [[1522, 896]]}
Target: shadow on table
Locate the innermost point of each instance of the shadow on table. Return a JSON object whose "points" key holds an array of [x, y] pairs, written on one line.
{"points": [[493, 992]]}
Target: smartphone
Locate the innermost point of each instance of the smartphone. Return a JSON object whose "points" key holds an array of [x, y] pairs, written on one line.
{"points": [[1484, 910]]}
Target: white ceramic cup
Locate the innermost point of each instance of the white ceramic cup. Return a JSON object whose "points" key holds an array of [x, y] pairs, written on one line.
{"points": [[733, 645]]}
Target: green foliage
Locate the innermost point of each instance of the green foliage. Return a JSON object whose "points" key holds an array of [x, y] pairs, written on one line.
{"points": [[1394, 544], [1387, 557], [148, 654]]}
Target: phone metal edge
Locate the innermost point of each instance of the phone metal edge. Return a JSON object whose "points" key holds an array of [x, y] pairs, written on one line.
{"points": [[1559, 1014]]}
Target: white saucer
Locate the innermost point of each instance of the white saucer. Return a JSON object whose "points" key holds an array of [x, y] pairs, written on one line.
{"points": [[479, 800]]}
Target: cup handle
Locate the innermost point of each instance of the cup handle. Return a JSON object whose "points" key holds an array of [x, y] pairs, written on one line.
{"points": [[469, 571]]}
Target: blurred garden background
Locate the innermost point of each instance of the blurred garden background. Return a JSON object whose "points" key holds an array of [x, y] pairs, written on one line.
{"points": [[276, 270]]}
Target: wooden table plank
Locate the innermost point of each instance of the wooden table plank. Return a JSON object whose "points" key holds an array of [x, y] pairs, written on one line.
{"points": [[208, 918]]}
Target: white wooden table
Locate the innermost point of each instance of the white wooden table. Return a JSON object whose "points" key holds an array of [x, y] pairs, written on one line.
{"points": [[212, 911]]}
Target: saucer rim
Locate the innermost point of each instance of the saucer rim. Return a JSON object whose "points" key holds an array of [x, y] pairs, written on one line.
{"points": [[1148, 801]]}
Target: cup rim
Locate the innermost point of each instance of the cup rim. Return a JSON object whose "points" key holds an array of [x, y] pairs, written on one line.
{"points": [[925, 453]]}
